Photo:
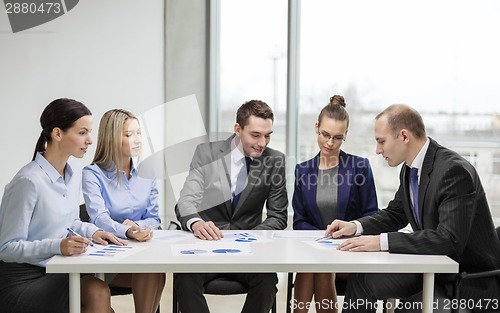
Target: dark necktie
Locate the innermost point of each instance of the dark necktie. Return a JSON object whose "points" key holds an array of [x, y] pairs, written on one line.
{"points": [[414, 189], [240, 182]]}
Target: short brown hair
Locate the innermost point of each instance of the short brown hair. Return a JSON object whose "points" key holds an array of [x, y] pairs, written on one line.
{"points": [[401, 116], [256, 108]]}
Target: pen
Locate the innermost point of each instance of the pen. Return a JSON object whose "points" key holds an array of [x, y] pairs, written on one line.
{"points": [[154, 226], [324, 238], [74, 233]]}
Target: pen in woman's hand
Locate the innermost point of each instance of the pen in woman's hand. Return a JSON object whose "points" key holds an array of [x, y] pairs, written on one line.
{"points": [[74, 233], [152, 227]]}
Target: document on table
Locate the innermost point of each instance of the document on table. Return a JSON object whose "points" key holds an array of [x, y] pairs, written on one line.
{"points": [[326, 243], [243, 237], [211, 248], [111, 252]]}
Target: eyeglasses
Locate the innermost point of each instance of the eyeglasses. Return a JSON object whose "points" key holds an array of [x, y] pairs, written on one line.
{"points": [[327, 137]]}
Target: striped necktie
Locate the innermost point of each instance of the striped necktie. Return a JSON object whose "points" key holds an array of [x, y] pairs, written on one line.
{"points": [[414, 189]]}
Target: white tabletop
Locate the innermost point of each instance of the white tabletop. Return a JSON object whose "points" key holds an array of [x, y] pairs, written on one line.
{"points": [[273, 251], [276, 254]]}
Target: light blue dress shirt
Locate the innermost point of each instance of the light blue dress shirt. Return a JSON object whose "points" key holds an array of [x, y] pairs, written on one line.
{"points": [[110, 201], [37, 207]]}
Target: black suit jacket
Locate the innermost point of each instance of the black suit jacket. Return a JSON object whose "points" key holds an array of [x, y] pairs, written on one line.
{"points": [[456, 219], [206, 193]]}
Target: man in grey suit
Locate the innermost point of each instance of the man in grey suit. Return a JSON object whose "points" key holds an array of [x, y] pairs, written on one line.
{"points": [[227, 186], [447, 210]]}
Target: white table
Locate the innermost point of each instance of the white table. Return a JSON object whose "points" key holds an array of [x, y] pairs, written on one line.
{"points": [[277, 254]]}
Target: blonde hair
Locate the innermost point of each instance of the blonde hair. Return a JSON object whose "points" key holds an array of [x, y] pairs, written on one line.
{"points": [[108, 155]]}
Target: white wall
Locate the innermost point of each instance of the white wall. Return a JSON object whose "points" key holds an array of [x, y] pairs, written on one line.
{"points": [[104, 53]]}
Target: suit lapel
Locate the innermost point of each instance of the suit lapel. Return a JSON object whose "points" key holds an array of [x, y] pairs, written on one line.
{"points": [[344, 186], [224, 165], [423, 185], [425, 173], [312, 185]]}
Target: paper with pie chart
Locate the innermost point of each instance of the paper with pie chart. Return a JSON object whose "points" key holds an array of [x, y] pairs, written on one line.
{"points": [[210, 248], [110, 252], [242, 237], [326, 243]]}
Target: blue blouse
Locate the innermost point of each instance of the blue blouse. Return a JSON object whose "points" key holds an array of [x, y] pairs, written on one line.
{"points": [[37, 207], [110, 200]]}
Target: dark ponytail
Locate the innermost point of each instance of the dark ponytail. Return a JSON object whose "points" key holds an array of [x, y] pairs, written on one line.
{"points": [[61, 113]]}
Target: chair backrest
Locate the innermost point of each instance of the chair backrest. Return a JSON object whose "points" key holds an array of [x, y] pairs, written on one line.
{"points": [[225, 286], [84, 216], [173, 225]]}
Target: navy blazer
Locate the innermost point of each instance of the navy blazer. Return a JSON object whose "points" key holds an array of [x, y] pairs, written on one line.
{"points": [[356, 198]]}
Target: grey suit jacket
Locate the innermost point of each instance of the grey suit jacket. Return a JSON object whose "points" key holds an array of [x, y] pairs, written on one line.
{"points": [[456, 219], [206, 193]]}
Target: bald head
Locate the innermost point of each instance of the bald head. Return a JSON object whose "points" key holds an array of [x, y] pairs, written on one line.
{"points": [[401, 116]]}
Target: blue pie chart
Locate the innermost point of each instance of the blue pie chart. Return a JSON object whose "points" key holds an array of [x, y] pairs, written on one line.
{"points": [[225, 251], [193, 251], [245, 239], [329, 243]]}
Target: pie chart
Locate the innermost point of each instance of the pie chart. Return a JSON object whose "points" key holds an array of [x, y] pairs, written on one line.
{"points": [[194, 251], [226, 251]]}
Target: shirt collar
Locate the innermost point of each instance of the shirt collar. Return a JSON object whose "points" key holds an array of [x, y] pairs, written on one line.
{"points": [[236, 154], [111, 174], [419, 159], [52, 173]]}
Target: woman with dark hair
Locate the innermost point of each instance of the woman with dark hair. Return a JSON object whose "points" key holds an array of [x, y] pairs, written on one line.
{"points": [[121, 200], [332, 185], [38, 207]]}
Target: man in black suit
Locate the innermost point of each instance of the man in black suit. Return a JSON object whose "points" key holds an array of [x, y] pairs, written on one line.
{"points": [[214, 198], [452, 217]]}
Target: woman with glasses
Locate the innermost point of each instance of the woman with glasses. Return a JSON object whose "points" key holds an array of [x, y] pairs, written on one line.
{"points": [[122, 199], [332, 185]]}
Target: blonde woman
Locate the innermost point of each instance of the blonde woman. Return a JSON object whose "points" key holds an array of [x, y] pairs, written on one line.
{"points": [[120, 201]]}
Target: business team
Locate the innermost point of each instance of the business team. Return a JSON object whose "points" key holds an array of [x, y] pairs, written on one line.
{"points": [[227, 187]]}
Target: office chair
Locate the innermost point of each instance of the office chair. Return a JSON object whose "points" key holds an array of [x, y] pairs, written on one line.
{"points": [[220, 286], [115, 291], [460, 277]]}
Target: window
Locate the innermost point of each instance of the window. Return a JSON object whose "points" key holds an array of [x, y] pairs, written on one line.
{"points": [[253, 39], [496, 164], [438, 57]]}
